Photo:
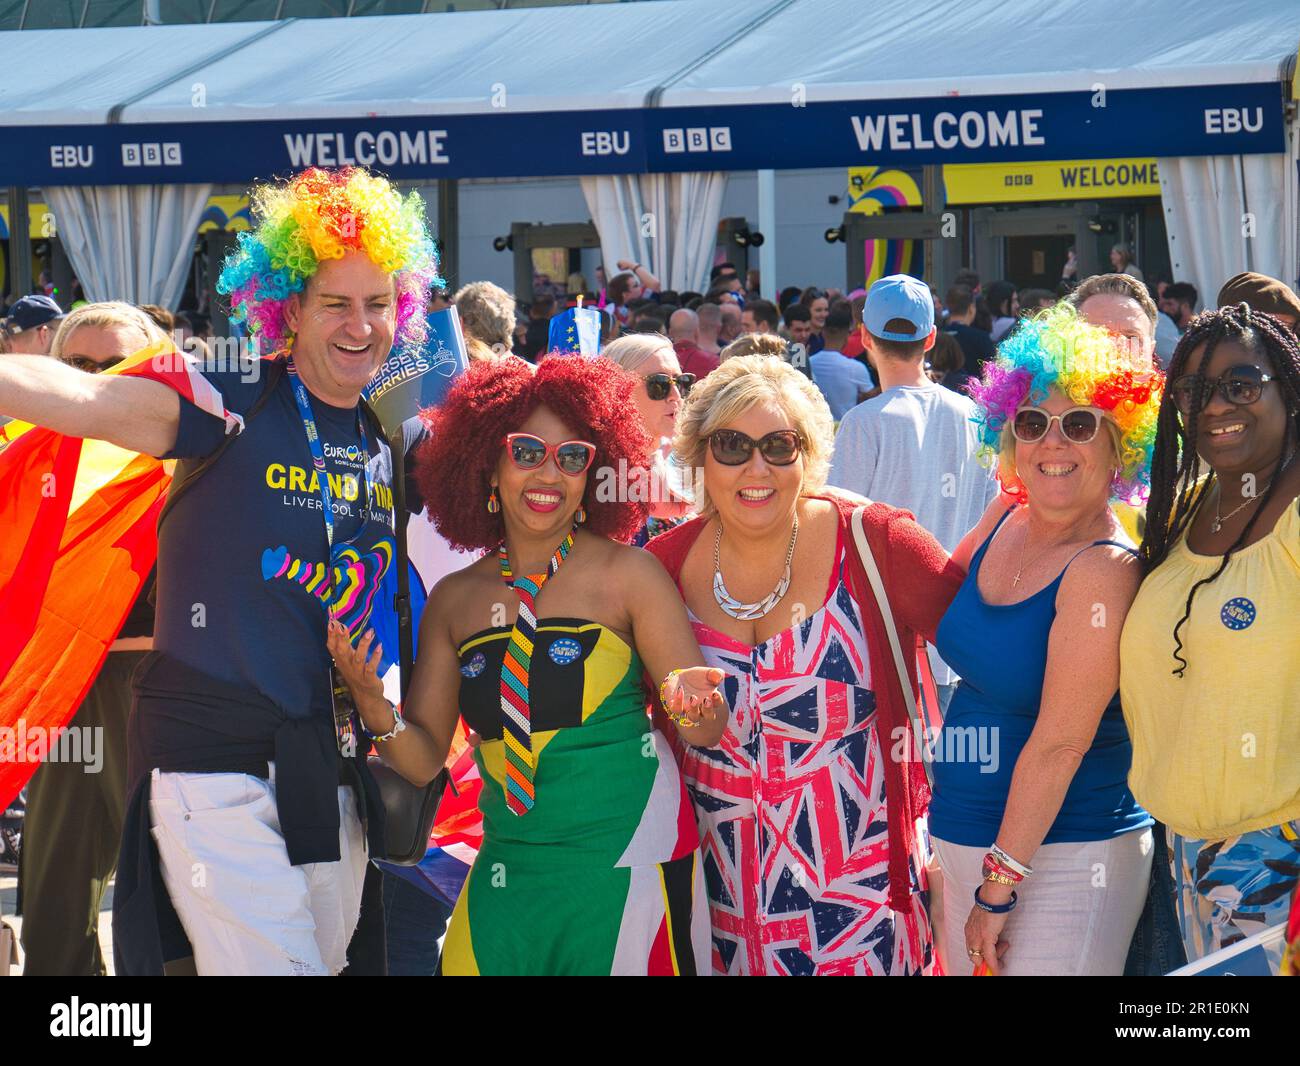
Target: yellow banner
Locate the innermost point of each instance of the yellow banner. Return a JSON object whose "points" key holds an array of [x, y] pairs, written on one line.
{"points": [[1069, 179], [222, 212], [40, 221], [225, 212]]}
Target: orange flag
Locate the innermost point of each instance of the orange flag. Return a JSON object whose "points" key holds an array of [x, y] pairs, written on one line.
{"points": [[77, 540]]}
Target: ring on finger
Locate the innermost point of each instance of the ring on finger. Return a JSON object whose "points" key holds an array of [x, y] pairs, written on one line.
{"points": [[975, 953]]}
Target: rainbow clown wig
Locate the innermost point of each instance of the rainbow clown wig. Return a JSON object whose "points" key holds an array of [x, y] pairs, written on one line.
{"points": [[324, 214], [1058, 350]]}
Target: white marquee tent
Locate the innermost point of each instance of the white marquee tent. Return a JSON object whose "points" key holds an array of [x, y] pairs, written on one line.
{"points": [[518, 88]]}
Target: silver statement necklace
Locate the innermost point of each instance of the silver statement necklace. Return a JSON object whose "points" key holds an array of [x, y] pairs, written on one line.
{"points": [[747, 612]]}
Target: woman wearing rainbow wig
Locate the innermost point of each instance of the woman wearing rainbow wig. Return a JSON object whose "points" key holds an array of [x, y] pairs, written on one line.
{"points": [[1045, 855]]}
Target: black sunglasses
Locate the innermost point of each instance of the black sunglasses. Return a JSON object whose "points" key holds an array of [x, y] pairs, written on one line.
{"points": [[730, 447], [1239, 385], [657, 385]]}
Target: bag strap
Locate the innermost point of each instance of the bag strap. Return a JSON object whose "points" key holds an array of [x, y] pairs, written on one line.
{"points": [[920, 727], [402, 602], [179, 488], [929, 688]]}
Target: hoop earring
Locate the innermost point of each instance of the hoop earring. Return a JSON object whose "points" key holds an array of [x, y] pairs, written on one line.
{"points": [[493, 504], [580, 515]]}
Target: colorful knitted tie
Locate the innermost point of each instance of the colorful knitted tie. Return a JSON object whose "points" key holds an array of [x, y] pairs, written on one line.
{"points": [[517, 725]]}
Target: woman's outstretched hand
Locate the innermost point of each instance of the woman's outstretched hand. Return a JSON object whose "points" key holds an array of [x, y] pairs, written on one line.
{"points": [[694, 694]]}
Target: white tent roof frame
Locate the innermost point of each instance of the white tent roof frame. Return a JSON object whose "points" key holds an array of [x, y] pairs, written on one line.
{"points": [[668, 53]]}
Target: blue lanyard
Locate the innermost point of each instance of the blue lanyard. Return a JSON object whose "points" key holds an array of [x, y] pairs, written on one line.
{"points": [[318, 461]]}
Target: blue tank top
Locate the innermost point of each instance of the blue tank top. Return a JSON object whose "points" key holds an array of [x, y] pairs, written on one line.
{"points": [[1000, 653]]}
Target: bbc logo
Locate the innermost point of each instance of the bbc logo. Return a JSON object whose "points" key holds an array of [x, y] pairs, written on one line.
{"points": [[152, 155], [698, 139]]}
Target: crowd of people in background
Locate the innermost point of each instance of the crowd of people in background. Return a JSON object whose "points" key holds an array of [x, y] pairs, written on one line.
{"points": [[973, 317], [960, 469]]}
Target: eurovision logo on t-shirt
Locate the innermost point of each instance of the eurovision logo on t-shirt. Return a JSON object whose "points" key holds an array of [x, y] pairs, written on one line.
{"points": [[348, 590], [406, 384]]}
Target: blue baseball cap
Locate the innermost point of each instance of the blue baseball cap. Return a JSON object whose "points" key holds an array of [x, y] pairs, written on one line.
{"points": [[32, 311], [899, 296]]}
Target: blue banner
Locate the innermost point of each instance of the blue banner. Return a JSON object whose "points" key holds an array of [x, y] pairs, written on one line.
{"points": [[406, 384], [1189, 121], [1210, 120]]}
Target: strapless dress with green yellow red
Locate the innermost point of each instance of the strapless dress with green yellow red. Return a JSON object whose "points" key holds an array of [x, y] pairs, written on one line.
{"points": [[602, 875]]}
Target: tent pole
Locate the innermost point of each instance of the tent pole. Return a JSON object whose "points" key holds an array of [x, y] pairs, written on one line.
{"points": [[767, 227], [449, 231], [20, 243], [933, 200]]}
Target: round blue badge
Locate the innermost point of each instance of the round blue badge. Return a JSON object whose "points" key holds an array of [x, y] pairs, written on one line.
{"points": [[1237, 613], [564, 651], [476, 665]]}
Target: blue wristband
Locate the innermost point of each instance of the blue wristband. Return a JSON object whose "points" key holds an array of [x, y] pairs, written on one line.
{"points": [[992, 908]]}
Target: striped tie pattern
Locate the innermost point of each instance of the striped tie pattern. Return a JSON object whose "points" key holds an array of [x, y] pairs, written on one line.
{"points": [[517, 726]]}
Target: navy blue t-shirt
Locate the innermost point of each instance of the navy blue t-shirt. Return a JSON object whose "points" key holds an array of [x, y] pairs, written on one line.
{"points": [[242, 589], [977, 346]]}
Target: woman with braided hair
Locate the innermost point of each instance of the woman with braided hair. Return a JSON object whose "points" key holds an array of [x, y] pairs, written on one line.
{"points": [[1210, 654]]}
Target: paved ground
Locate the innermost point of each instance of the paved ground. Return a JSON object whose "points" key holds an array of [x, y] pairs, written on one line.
{"points": [[8, 899]]}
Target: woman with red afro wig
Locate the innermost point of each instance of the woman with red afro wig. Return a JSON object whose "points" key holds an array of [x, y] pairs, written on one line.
{"points": [[590, 860], [456, 466]]}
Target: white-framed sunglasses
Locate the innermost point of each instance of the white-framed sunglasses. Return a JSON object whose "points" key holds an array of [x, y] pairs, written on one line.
{"points": [[1079, 425]]}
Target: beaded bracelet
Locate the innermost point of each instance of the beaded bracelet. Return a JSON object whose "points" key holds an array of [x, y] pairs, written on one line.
{"points": [[995, 908], [1001, 879], [1008, 861], [398, 725], [682, 720]]}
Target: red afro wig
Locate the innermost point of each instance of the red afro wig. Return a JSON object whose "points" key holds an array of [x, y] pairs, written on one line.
{"points": [[495, 397]]}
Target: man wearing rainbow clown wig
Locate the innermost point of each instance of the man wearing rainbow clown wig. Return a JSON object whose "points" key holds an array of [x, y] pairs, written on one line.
{"points": [[250, 818]]}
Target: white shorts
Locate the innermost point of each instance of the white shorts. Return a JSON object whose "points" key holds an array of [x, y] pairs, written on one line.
{"points": [[245, 909], [1076, 912]]}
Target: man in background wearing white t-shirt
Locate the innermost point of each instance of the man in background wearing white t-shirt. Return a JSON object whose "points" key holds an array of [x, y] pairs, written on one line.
{"points": [[913, 446]]}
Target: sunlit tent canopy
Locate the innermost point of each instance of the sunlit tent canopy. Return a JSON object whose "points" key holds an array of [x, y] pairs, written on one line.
{"points": [[628, 94]]}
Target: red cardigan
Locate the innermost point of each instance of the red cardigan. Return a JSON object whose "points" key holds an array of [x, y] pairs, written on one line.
{"points": [[920, 581]]}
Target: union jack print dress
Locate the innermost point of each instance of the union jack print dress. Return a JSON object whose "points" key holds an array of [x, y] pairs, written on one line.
{"points": [[791, 806]]}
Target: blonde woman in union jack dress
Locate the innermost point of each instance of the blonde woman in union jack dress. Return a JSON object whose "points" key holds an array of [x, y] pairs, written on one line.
{"points": [[808, 805]]}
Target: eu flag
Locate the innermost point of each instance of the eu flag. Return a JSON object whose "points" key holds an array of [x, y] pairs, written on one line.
{"points": [[575, 332]]}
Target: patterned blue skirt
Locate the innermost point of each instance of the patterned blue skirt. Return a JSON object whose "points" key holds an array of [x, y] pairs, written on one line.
{"points": [[1231, 889]]}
